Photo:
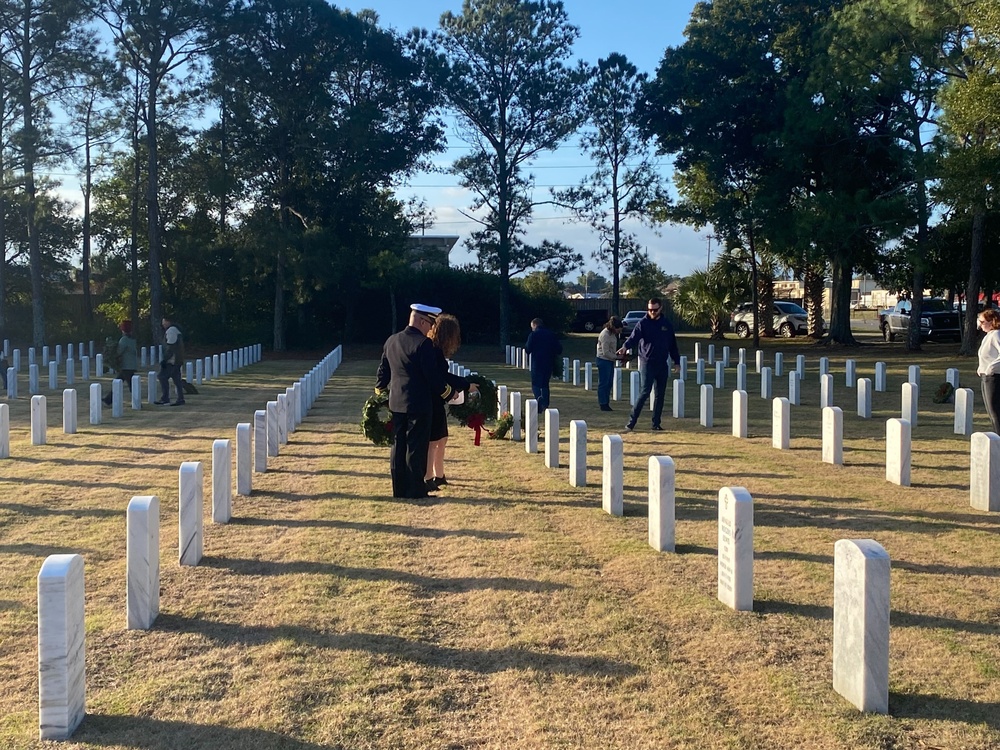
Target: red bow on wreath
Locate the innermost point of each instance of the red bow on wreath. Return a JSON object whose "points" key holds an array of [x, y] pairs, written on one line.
{"points": [[476, 422]]}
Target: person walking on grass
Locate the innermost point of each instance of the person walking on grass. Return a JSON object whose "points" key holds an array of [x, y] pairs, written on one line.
{"points": [[127, 358], [657, 345], [171, 364], [543, 347]]}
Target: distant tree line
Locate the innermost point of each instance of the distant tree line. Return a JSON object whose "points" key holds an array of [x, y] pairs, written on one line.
{"points": [[239, 161]]}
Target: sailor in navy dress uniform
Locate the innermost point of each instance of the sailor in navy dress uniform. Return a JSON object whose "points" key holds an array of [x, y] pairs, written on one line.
{"points": [[411, 371]]}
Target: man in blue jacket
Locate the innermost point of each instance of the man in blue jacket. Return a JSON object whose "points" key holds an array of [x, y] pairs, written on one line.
{"points": [[656, 342], [544, 347]]}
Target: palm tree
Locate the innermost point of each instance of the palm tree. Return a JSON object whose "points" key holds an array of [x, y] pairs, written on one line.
{"points": [[704, 298]]}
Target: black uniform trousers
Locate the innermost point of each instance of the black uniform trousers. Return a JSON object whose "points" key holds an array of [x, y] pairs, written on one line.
{"points": [[411, 434]]}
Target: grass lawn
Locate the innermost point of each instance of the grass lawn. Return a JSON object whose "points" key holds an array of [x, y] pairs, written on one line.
{"points": [[509, 611]]}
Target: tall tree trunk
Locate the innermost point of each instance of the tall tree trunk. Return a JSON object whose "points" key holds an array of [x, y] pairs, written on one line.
{"points": [[29, 150], [503, 252], [279, 302], [134, 219], [88, 304], [153, 210], [969, 325], [841, 277], [813, 289], [917, 303], [3, 220]]}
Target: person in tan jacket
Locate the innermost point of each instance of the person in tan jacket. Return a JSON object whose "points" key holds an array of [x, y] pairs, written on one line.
{"points": [[607, 345]]}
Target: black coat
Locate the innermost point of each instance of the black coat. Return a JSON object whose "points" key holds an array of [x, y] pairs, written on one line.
{"points": [[411, 370]]}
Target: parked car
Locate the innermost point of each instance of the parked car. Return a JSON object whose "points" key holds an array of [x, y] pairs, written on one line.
{"points": [[587, 321], [938, 320], [631, 318], [789, 320]]}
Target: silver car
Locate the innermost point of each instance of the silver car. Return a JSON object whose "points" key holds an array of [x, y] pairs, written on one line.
{"points": [[789, 320]]}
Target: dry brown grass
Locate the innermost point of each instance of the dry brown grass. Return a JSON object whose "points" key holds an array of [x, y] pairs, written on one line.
{"points": [[509, 611]]}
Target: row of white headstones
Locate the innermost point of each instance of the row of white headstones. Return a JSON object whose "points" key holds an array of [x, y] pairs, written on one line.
{"points": [[196, 371], [211, 368], [861, 566], [61, 672], [984, 446]]}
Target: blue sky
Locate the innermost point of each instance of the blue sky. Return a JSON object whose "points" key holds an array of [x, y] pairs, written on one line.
{"points": [[639, 29]]}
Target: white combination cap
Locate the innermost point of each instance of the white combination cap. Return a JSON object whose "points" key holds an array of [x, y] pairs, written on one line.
{"points": [[427, 310]]}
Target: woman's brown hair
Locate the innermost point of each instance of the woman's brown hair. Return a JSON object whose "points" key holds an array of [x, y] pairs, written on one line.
{"points": [[991, 316], [446, 334]]}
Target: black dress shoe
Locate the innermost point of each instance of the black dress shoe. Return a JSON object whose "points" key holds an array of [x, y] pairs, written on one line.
{"points": [[606, 407], [178, 403], [162, 402], [441, 480], [657, 427]]}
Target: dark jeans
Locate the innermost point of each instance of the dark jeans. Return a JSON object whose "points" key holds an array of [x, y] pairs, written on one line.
{"points": [[168, 373], [411, 434], [656, 374], [540, 388], [124, 375], [605, 378], [991, 397]]}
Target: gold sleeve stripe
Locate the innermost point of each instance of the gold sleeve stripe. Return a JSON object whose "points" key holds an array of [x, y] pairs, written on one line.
{"points": [[447, 393]]}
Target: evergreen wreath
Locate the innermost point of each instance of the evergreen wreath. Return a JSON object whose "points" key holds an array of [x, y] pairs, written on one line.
{"points": [[504, 424], [944, 393], [485, 406], [376, 419]]}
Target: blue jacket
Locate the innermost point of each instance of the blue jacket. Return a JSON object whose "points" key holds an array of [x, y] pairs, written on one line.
{"points": [[656, 340], [544, 347]]}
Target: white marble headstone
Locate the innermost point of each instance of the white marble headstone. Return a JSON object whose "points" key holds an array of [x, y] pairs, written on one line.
{"points": [[833, 435], [781, 419], [552, 438], [735, 565], [260, 441], [984, 464], [861, 624], [222, 481], [531, 425], [897, 451], [864, 398], [272, 428], [578, 453], [661, 503], [707, 407], [142, 589], [740, 414], [69, 411], [613, 476], [61, 652], [964, 399], [190, 515], [39, 420], [678, 399], [243, 459]]}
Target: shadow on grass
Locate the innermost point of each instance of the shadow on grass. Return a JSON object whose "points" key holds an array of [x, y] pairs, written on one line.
{"points": [[397, 648], [144, 733], [430, 584], [897, 619], [42, 550], [37, 510], [380, 528], [940, 708]]}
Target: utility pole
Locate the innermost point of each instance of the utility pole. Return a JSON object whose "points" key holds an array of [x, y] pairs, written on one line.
{"points": [[708, 260]]}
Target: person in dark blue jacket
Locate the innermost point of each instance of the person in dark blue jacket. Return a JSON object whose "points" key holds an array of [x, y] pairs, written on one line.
{"points": [[656, 342], [544, 347]]}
